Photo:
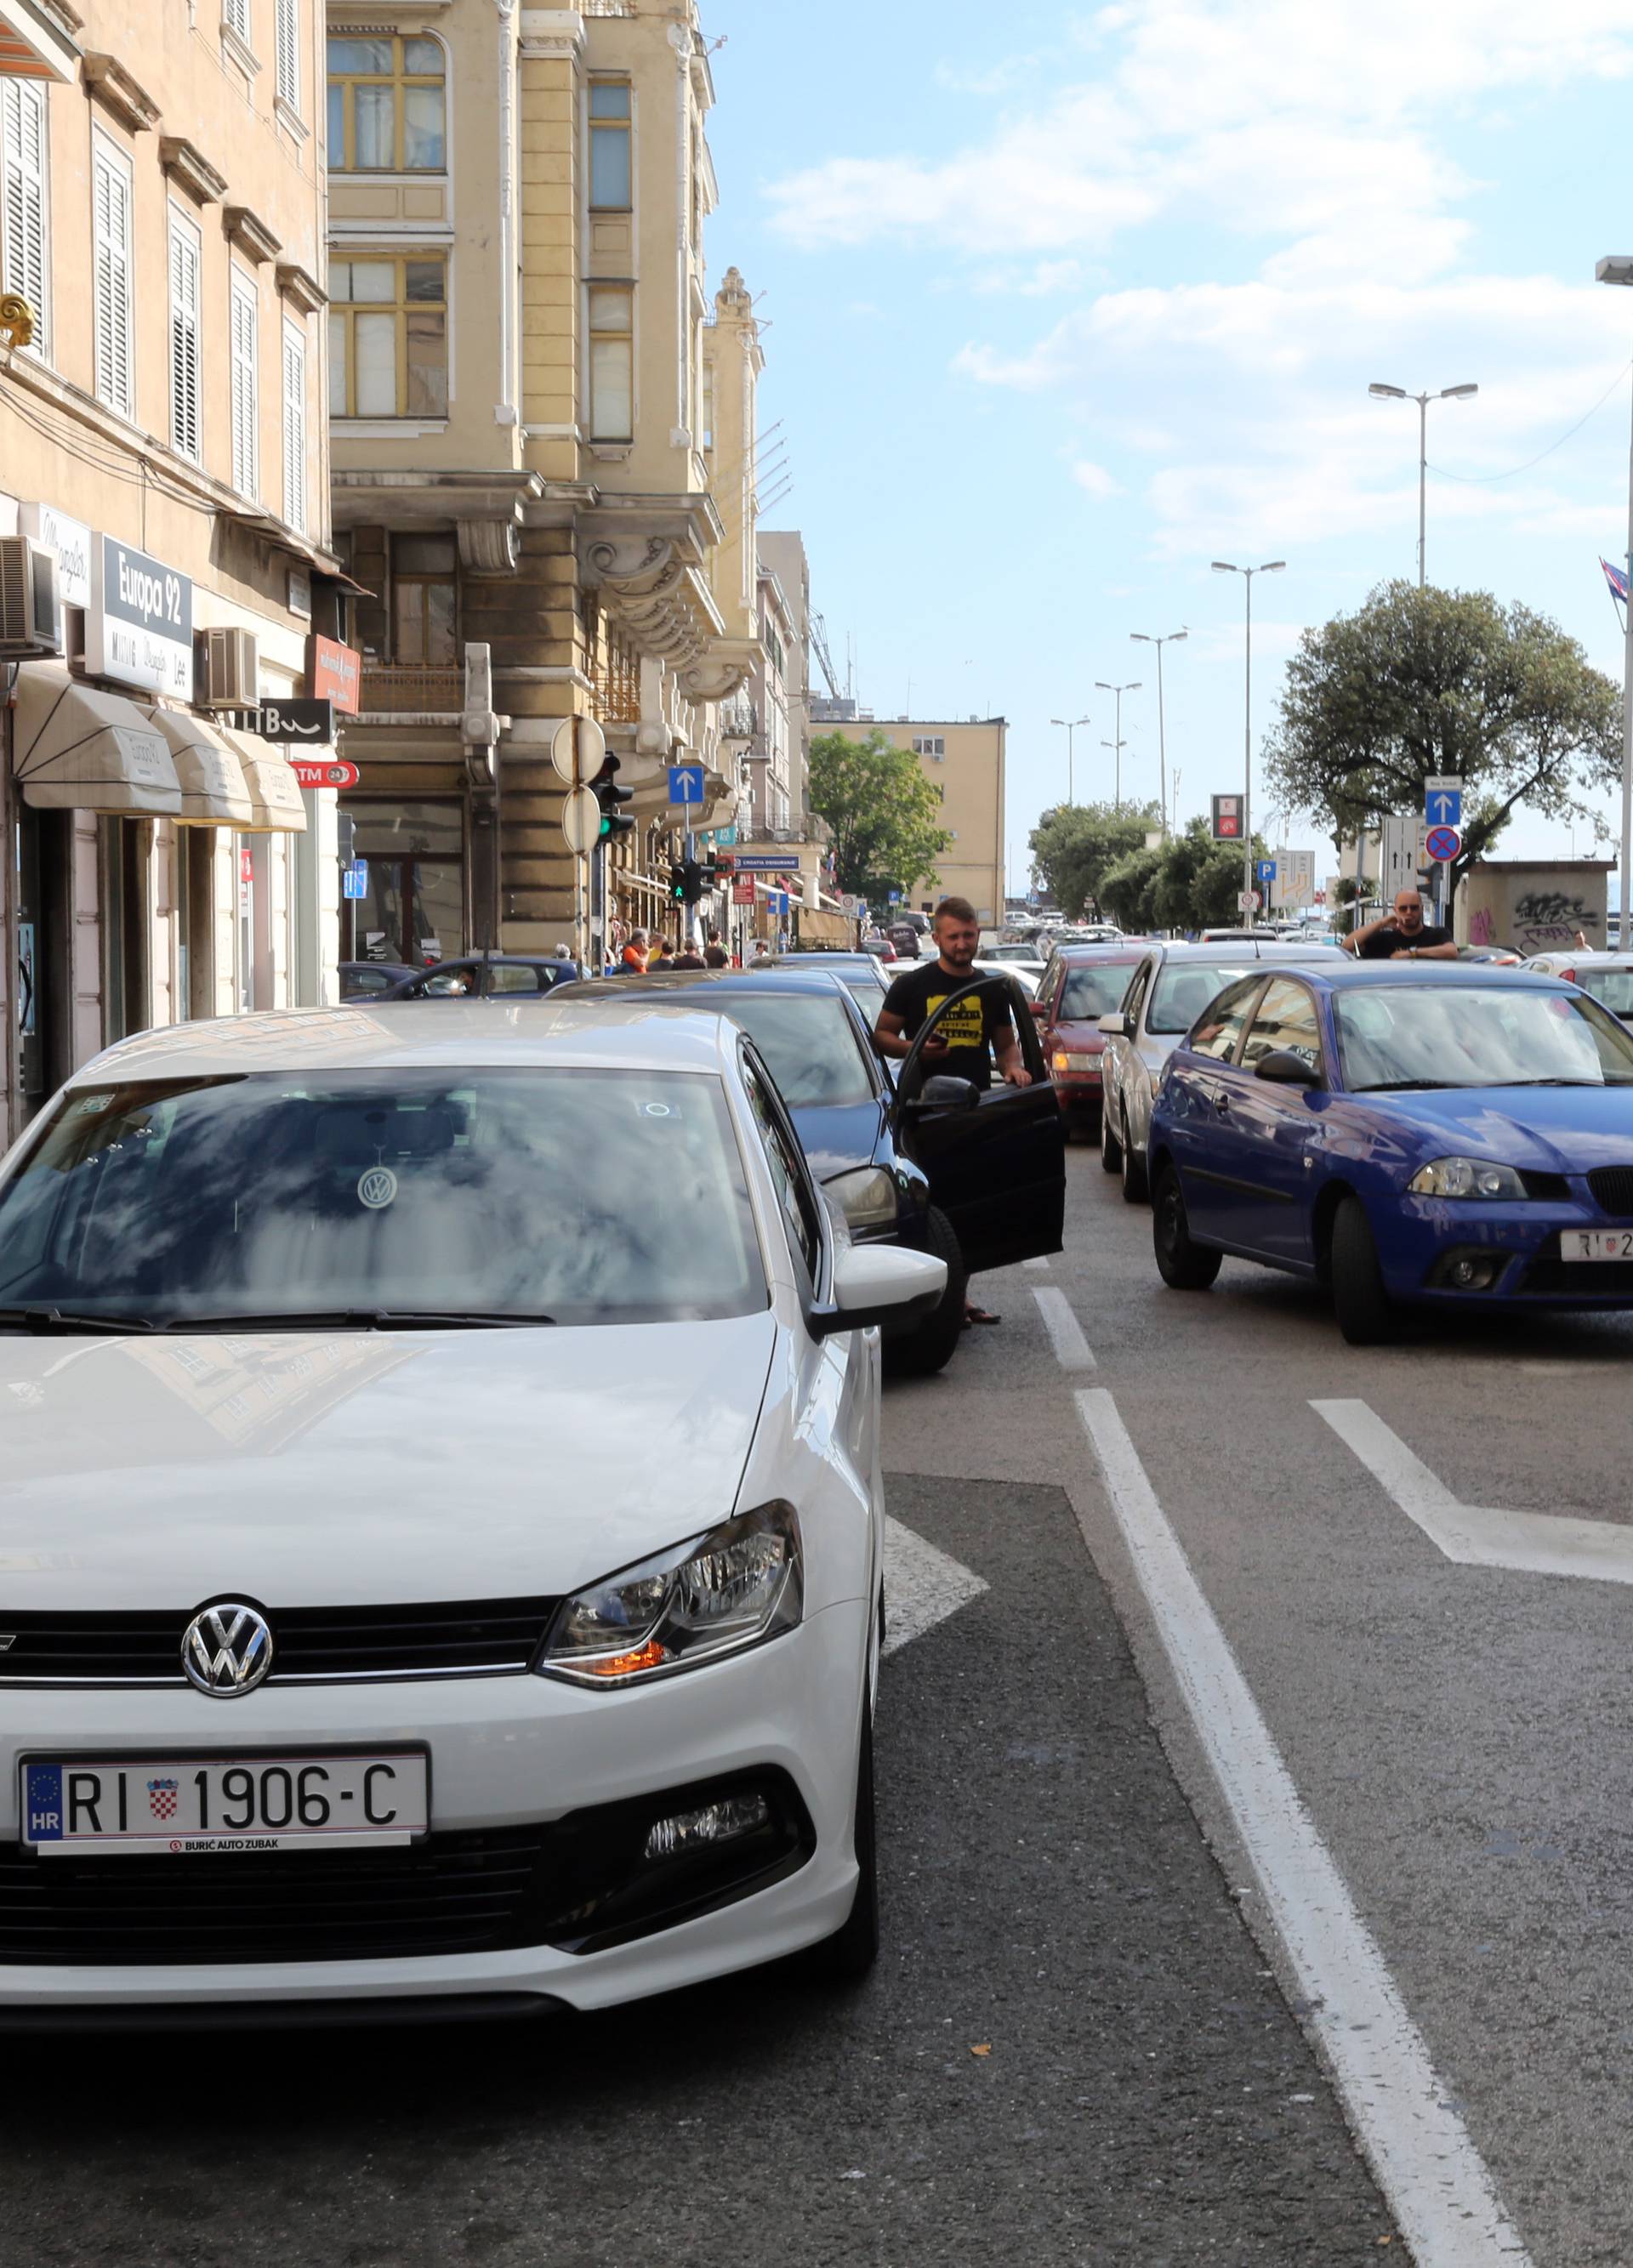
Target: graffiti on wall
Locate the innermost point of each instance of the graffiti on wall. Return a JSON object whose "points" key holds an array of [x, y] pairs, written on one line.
{"points": [[1549, 921]]}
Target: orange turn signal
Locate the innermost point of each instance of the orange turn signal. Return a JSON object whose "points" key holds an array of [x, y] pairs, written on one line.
{"points": [[650, 1656]]}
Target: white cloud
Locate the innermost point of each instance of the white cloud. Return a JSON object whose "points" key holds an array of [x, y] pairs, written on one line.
{"points": [[1094, 480]]}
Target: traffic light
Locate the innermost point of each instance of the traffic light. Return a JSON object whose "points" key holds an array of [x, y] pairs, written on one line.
{"points": [[615, 820], [680, 881]]}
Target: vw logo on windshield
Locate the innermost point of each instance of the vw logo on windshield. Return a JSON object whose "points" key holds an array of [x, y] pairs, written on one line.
{"points": [[227, 1650]]}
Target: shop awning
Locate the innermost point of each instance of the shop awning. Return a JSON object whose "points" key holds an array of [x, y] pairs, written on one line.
{"points": [[76, 748], [213, 793], [276, 807]]}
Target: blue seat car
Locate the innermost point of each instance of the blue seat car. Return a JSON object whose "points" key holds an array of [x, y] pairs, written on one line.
{"points": [[1445, 1134]]}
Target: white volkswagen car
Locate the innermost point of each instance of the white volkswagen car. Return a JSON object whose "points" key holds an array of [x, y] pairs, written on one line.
{"points": [[439, 1521]]}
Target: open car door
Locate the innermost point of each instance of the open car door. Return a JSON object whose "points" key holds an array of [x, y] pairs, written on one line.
{"points": [[995, 1160]]}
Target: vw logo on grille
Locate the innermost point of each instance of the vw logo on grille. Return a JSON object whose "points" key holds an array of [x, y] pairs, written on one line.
{"points": [[227, 1650]]}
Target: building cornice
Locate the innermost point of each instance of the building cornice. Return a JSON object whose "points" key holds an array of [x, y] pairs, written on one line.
{"points": [[189, 167], [303, 292], [110, 83], [250, 233]]}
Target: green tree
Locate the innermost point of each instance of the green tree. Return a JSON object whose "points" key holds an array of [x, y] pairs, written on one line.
{"points": [[1200, 881], [883, 815], [1420, 683], [1074, 845]]}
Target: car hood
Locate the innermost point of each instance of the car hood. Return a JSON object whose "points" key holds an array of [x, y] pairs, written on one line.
{"points": [[838, 1137], [1559, 1129], [321, 1470], [1079, 1039]]}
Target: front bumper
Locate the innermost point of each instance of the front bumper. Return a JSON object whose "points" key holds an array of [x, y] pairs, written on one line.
{"points": [[1420, 1242], [508, 1755], [1077, 1090]]}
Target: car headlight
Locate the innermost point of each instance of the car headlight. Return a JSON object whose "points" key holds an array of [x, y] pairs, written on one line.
{"points": [[1061, 1061], [1466, 1177], [866, 1198], [713, 1595]]}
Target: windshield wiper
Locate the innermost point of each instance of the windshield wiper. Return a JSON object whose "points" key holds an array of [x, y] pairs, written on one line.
{"points": [[58, 1319], [363, 1318], [1408, 1086]]}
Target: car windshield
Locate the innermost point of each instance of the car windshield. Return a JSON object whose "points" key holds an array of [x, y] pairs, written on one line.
{"points": [[1094, 991], [1402, 1037], [1612, 986], [810, 1046], [572, 1196], [1184, 988]]}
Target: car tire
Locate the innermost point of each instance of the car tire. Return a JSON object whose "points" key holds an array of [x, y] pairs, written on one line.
{"points": [[846, 1956], [929, 1348], [1111, 1148], [1137, 1186], [1362, 1307], [1182, 1265]]}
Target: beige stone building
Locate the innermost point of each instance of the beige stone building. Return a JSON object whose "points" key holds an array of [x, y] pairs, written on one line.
{"points": [[543, 442], [162, 437], [964, 760]]}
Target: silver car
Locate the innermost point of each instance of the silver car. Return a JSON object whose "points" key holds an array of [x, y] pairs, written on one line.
{"points": [[1166, 994], [1608, 976]]}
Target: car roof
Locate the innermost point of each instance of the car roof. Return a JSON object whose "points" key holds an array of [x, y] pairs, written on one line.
{"points": [[1125, 951], [1261, 948], [779, 977], [1464, 975], [416, 1035]]}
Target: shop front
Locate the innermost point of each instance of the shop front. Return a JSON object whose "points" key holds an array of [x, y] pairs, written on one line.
{"points": [[412, 863]]}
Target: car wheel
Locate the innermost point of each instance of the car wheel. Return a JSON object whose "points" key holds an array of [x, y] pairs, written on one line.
{"points": [[930, 1347], [1136, 1188], [1183, 1266], [846, 1956], [1111, 1148], [1362, 1307]]}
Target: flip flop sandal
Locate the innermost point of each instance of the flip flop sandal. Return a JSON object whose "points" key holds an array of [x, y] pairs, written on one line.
{"points": [[980, 1315]]}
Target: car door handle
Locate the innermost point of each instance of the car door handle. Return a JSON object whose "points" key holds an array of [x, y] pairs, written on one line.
{"points": [[1222, 1104]]}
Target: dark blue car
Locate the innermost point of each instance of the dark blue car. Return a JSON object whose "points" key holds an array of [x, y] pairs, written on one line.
{"points": [[1447, 1134]]}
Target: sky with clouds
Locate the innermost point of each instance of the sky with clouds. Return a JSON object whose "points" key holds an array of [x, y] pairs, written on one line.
{"points": [[1064, 304]]}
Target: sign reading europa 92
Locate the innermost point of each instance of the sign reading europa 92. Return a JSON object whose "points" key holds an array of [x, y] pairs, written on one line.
{"points": [[139, 623]]}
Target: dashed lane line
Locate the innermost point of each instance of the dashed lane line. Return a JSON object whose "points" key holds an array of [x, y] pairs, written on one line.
{"points": [[1072, 1350], [1436, 2181]]}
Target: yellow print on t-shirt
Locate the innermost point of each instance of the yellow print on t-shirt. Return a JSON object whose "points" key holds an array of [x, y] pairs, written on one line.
{"points": [[964, 1028]]}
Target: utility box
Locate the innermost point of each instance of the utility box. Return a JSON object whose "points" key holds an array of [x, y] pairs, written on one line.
{"points": [[1534, 905]]}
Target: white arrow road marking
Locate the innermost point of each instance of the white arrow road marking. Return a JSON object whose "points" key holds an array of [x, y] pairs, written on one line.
{"points": [[1479, 1536], [1436, 2181], [1072, 1350], [922, 1586]]}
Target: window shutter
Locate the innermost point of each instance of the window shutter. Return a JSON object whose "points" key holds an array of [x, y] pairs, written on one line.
{"points": [[185, 436], [111, 283], [295, 430], [235, 16], [245, 412], [287, 35], [23, 256]]}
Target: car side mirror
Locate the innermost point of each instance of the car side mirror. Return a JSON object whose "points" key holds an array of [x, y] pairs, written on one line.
{"points": [[1288, 1070], [1040, 1009], [1115, 1026], [879, 1284], [942, 1090]]}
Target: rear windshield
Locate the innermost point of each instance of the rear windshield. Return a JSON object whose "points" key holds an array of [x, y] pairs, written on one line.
{"points": [[1612, 986], [808, 1040], [1095, 991], [1184, 988]]}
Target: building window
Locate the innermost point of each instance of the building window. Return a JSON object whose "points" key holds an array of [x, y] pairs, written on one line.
{"points": [[246, 395], [110, 201], [287, 42], [611, 171], [186, 436], [235, 19], [388, 337], [424, 602], [25, 227], [934, 746], [295, 427], [612, 362], [388, 106], [708, 405]]}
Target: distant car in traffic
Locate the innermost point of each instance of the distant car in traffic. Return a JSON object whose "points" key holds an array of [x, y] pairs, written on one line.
{"points": [[1495, 956], [1168, 991], [881, 948], [572, 1703], [500, 975], [978, 1180], [1082, 984], [1607, 976], [1023, 973], [1405, 1135], [861, 973], [373, 980]]}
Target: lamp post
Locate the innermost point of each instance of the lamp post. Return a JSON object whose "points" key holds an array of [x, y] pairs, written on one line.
{"points": [[1620, 271], [1269, 567], [1069, 726], [1144, 637], [1400, 394], [1116, 743]]}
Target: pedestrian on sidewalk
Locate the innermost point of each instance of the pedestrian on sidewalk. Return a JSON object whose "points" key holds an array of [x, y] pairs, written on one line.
{"points": [[632, 960]]}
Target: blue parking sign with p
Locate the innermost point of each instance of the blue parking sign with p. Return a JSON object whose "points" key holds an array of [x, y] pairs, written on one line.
{"points": [[42, 1803], [1264, 870]]}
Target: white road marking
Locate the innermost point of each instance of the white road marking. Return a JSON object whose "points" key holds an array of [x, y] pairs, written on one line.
{"points": [[1436, 2181], [1041, 1266], [1072, 1350], [922, 1586], [1481, 1535]]}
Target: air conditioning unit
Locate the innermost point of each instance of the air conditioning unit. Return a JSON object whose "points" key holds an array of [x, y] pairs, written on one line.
{"points": [[31, 608], [231, 669]]}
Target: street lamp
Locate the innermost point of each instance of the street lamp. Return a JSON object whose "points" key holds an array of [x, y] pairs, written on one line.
{"points": [[1116, 744], [1400, 394], [1069, 726], [1620, 271], [1269, 567], [1142, 637]]}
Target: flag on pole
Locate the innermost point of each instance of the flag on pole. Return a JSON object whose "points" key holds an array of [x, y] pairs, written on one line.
{"points": [[1616, 577]]}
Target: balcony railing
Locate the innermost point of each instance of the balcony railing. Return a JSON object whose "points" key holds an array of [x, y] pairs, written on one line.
{"points": [[388, 690], [616, 688]]}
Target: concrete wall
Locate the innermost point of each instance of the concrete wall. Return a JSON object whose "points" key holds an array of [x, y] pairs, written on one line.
{"points": [[1536, 906]]}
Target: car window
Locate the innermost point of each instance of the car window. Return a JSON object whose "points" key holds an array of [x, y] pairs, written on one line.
{"points": [[446, 983], [1093, 990], [787, 1171], [1184, 988], [370, 980], [808, 1042], [1286, 1018], [1404, 1036], [503, 977], [1220, 1026], [590, 1196], [1134, 999], [1612, 986]]}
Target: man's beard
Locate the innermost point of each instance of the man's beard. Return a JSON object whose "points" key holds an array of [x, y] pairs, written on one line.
{"points": [[958, 956]]}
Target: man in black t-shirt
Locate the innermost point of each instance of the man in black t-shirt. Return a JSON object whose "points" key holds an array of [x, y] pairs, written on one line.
{"points": [[964, 1043], [1404, 935]]}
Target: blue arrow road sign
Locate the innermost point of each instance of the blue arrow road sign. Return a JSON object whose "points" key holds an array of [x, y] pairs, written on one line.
{"points": [[686, 783], [1264, 870], [354, 879], [1442, 807]]}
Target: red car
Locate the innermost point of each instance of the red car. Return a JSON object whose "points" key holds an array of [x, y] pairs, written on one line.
{"points": [[1082, 984]]}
